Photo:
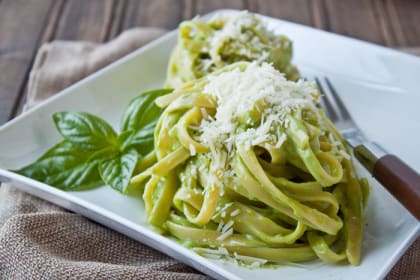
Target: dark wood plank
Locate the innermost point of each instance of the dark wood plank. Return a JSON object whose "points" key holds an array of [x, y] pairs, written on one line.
{"points": [[292, 10], [318, 14], [405, 21], [21, 26], [383, 19], [354, 18], [47, 34], [155, 13], [204, 6], [393, 24], [188, 9], [92, 24], [51, 26], [117, 18], [85, 20]]}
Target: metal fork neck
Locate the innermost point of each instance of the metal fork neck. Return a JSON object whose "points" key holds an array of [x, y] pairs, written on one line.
{"points": [[368, 153], [353, 137]]}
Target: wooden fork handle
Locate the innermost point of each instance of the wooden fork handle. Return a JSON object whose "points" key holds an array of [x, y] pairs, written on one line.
{"points": [[397, 177], [401, 181]]}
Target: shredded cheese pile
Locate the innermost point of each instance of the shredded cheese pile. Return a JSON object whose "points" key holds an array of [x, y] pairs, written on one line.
{"points": [[233, 32], [239, 92]]}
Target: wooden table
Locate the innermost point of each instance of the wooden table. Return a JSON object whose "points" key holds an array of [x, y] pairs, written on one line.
{"points": [[26, 24]]}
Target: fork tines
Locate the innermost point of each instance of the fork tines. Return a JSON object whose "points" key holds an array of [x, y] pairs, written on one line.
{"points": [[332, 103]]}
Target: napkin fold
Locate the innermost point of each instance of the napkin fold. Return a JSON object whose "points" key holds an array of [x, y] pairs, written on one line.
{"points": [[39, 240]]}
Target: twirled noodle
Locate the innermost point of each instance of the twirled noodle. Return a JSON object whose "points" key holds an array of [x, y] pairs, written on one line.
{"points": [[204, 47], [270, 179]]}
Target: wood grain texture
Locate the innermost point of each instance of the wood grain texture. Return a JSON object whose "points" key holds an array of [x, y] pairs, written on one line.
{"points": [[405, 21], [354, 18], [117, 18], [21, 26], [292, 10], [161, 13], [47, 35], [206, 6], [318, 14], [383, 19], [85, 20], [188, 9], [54, 17]]}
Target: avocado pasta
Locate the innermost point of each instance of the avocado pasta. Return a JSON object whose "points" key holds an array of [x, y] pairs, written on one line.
{"points": [[236, 160], [204, 47], [246, 165]]}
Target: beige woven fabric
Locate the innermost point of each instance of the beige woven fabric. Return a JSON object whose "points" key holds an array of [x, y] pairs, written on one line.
{"points": [[39, 240]]}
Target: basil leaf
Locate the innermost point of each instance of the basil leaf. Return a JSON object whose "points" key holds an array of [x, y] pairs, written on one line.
{"points": [[124, 140], [85, 130], [142, 110], [116, 171], [144, 139], [65, 166], [141, 117]]}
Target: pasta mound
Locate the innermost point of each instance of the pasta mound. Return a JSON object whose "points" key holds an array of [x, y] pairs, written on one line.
{"points": [[204, 47], [265, 177]]}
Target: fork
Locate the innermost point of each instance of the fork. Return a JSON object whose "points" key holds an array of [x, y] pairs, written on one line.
{"points": [[397, 177]]}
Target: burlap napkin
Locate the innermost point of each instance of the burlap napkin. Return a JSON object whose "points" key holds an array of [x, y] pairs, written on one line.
{"points": [[39, 240]]}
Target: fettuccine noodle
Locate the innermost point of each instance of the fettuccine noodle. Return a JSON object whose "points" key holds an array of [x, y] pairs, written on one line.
{"points": [[246, 165], [204, 47]]}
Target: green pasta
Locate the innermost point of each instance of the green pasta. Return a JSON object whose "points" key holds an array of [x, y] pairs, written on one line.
{"points": [[237, 161], [251, 168], [204, 47]]}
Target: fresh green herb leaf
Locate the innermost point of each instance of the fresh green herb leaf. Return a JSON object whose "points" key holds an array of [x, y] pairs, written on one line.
{"points": [[66, 167], [117, 169], [141, 118], [85, 130], [124, 140], [143, 139], [92, 150], [142, 110]]}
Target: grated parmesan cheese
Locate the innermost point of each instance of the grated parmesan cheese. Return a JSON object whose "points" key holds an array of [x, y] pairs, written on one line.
{"points": [[225, 235], [204, 113], [344, 154], [235, 213], [219, 251], [220, 226], [227, 226], [249, 259], [239, 92], [192, 150], [222, 252], [233, 31]]}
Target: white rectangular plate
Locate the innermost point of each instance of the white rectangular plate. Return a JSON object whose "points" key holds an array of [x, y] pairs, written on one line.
{"points": [[379, 85]]}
